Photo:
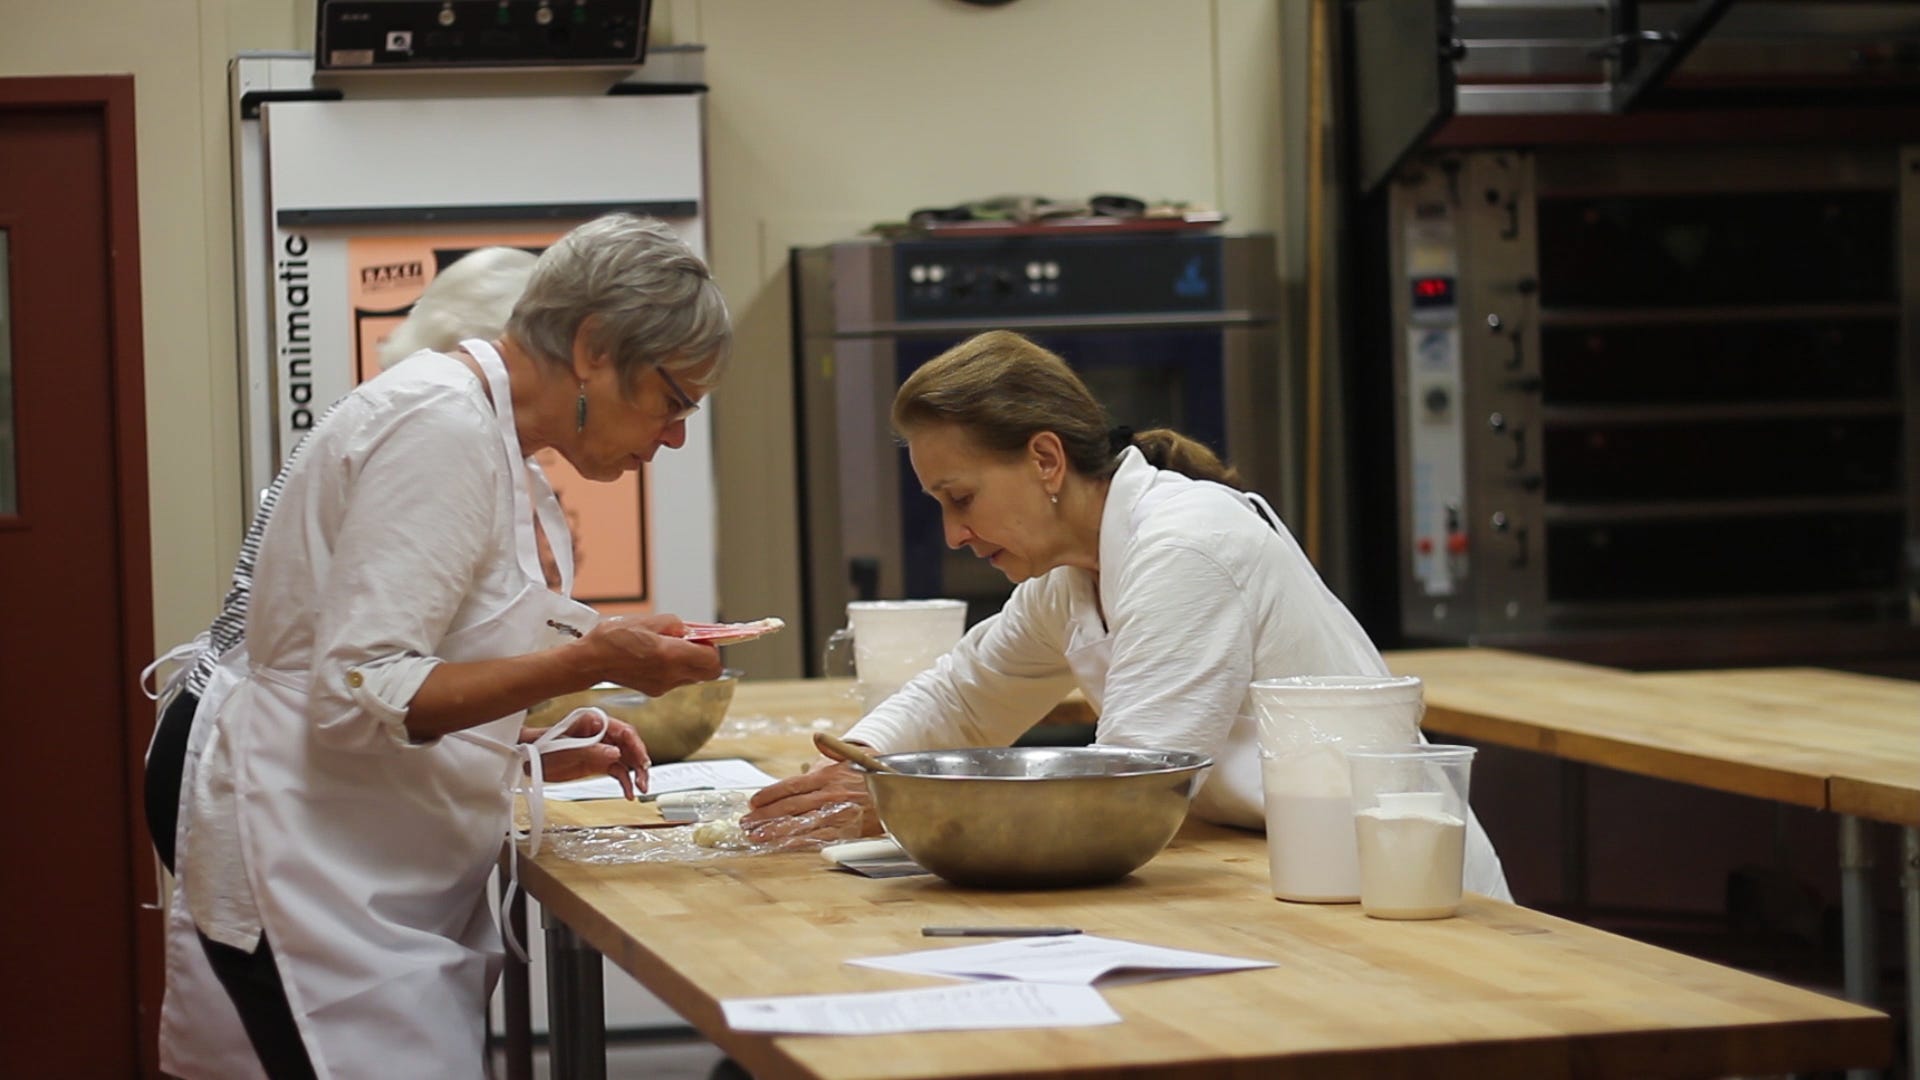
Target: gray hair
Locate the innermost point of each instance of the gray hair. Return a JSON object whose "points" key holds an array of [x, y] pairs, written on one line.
{"points": [[471, 298], [644, 296]]}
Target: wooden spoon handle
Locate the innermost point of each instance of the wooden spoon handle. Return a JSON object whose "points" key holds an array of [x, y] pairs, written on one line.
{"points": [[840, 750]]}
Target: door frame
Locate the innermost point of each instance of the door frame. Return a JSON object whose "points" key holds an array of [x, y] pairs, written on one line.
{"points": [[111, 97]]}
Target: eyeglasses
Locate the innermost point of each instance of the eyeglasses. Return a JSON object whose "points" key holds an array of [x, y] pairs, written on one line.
{"points": [[683, 403]]}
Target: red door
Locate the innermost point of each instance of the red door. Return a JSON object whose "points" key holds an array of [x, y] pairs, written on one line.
{"points": [[75, 584]]}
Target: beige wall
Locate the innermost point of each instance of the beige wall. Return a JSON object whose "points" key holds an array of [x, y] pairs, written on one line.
{"points": [[829, 115], [825, 116], [177, 52]]}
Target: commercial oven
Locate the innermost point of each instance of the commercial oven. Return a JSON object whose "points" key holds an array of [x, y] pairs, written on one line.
{"points": [[1633, 292], [1652, 385], [1172, 329]]}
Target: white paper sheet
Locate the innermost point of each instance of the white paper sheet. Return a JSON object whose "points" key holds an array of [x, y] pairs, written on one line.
{"points": [[678, 776], [1077, 959], [976, 1007]]}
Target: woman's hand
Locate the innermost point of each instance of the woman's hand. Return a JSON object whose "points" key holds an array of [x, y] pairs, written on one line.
{"points": [[620, 754], [648, 654], [829, 802]]}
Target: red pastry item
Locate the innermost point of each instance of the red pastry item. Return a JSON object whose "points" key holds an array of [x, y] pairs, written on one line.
{"points": [[732, 633]]}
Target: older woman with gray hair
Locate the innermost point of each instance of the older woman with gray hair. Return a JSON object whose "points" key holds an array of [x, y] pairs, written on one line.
{"points": [[352, 761]]}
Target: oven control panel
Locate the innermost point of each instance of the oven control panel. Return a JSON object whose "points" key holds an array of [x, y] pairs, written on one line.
{"points": [[413, 35], [1431, 376], [1026, 276]]}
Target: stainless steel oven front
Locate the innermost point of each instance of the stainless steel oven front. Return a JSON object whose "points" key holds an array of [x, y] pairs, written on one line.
{"points": [[1652, 387], [1167, 329]]}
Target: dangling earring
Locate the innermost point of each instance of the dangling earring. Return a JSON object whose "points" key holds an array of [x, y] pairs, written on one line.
{"points": [[1054, 499], [580, 410]]}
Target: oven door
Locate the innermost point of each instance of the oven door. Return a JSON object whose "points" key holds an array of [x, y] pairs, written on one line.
{"points": [[870, 531]]}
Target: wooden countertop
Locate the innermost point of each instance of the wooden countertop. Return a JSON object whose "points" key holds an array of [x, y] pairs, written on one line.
{"points": [[1830, 740], [1443, 665], [1498, 991], [1867, 728]]}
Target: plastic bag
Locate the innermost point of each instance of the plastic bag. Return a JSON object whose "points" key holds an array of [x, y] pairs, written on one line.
{"points": [[739, 727], [1310, 721]]}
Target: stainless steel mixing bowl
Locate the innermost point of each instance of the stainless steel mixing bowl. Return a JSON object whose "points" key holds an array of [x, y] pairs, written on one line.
{"points": [[1035, 817], [673, 725]]}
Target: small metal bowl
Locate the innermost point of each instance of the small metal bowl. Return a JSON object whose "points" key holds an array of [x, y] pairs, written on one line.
{"points": [[673, 725], [1035, 817]]}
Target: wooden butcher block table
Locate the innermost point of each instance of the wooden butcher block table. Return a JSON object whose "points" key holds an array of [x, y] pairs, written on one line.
{"points": [[1829, 740], [1498, 991]]}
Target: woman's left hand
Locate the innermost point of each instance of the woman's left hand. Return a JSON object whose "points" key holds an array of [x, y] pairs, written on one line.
{"points": [[828, 802], [620, 754]]}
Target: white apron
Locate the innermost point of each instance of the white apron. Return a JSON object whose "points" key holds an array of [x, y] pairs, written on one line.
{"points": [[370, 871], [200, 1030]]}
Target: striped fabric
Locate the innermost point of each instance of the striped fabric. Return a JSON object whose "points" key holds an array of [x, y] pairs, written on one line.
{"points": [[229, 628]]}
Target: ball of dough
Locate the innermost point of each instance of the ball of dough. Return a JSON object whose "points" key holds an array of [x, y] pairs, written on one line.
{"points": [[720, 833]]}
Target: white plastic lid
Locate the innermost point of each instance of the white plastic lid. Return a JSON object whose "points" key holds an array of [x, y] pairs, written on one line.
{"points": [[1339, 689], [905, 605]]}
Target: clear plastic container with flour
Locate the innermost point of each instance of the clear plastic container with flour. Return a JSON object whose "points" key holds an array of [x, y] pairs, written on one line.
{"points": [[894, 640], [1410, 821], [1307, 723]]}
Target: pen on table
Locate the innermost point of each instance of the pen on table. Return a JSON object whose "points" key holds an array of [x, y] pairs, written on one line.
{"points": [[997, 931]]}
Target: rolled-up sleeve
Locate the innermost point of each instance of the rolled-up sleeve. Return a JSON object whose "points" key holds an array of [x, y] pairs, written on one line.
{"points": [[417, 524]]}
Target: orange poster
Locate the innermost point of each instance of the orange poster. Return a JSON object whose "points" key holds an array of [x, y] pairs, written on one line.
{"points": [[612, 554]]}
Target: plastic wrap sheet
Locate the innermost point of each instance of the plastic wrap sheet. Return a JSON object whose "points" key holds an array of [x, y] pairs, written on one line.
{"points": [[715, 835], [740, 727]]}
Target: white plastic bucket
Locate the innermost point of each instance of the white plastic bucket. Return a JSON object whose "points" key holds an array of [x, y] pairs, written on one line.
{"points": [[1307, 723], [894, 640]]}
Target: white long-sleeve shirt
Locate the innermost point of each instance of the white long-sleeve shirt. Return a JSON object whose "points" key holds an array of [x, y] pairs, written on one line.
{"points": [[1197, 598], [394, 528]]}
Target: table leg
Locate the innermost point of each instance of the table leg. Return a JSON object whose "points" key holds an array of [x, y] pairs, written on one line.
{"points": [[1910, 894], [1856, 909], [1573, 837], [1857, 950], [576, 1009], [516, 993]]}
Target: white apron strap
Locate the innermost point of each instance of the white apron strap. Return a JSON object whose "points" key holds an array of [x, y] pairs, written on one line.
{"points": [[551, 518], [526, 776], [553, 521], [1260, 507], [533, 495], [185, 655]]}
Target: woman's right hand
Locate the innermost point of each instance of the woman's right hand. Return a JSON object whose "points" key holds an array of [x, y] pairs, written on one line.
{"points": [[648, 653]]}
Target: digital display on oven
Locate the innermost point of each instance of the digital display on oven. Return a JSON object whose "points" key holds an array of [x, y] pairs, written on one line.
{"points": [[1434, 291]]}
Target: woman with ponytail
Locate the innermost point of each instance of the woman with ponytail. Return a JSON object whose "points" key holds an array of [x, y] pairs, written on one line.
{"points": [[1146, 576]]}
